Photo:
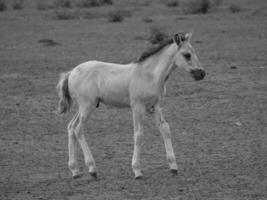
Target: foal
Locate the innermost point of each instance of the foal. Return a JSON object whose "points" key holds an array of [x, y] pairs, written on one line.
{"points": [[138, 85]]}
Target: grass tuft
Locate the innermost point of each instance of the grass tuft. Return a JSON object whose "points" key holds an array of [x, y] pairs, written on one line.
{"points": [[3, 5], [148, 20], [63, 15], [92, 3], [200, 6], [172, 3], [62, 4], [17, 4], [234, 8], [42, 5], [115, 16], [119, 14]]}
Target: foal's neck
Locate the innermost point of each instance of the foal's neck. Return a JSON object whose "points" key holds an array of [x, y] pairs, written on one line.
{"points": [[163, 63]]}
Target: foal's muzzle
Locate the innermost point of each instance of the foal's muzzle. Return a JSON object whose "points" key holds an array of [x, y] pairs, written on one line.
{"points": [[198, 74]]}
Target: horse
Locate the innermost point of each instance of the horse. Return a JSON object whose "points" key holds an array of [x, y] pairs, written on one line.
{"points": [[139, 85]]}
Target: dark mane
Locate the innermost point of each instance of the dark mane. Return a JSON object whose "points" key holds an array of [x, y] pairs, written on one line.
{"points": [[153, 50]]}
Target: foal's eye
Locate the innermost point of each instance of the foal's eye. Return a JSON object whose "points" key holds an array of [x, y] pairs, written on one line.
{"points": [[187, 56]]}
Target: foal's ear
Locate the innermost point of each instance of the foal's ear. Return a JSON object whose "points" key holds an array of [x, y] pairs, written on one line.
{"points": [[188, 36], [177, 39]]}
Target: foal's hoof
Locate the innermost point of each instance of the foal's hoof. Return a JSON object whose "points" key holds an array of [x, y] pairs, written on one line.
{"points": [[93, 174], [78, 175], [174, 171], [139, 177]]}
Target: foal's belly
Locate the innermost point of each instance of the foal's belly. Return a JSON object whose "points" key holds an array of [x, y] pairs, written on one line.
{"points": [[114, 91], [116, 100]]}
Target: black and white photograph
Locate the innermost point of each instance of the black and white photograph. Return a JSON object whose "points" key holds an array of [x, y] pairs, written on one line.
{"points": [[133, 99]]}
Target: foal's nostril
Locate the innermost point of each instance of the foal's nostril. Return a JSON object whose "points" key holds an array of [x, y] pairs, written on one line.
{"points": [[198, 74]]}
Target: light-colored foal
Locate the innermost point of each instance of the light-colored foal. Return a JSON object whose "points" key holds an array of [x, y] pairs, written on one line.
{"points": [[138, 85]]}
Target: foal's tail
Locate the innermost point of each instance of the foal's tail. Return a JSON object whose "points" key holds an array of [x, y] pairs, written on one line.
{"points": [[65, 99]]}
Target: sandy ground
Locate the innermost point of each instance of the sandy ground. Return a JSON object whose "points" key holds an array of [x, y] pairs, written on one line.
{"points": [[218, 125]]}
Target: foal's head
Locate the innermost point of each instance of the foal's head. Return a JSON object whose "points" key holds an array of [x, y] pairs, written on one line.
{"points": [[186, 57]]}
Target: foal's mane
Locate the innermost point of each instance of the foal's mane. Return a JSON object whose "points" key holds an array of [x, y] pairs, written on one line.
{"points": [[154, 49]]}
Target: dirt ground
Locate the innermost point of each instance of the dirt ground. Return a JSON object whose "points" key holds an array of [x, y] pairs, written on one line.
{"points": [[219, 125]]}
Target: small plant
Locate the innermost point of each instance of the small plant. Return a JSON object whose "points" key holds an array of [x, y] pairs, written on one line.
{"points": [[197, 7], [157, 35], [48, 42], [200, 6], [110, 2], [3, 5], [172, 3], [234, 8], [115, 16], [42, 5], [17, 4], [145, 3], [63, 15], [87, 3], [92, 3], [148, 20], [62, 4]]}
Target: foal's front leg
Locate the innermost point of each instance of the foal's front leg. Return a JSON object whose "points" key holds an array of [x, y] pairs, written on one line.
{"points": [[138, 114], [166, 134]]}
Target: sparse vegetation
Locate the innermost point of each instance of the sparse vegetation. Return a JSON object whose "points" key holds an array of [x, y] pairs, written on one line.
{"points": [[157, 35], [148, 20], [119, 14], [48, 42], [108, 2], [63, 15], [17, 4], [115, 16], [62, 4], [200, 6], [92, 3], [42, 5], [145, 3], [3, 5], [234, 8], [172, 3]]}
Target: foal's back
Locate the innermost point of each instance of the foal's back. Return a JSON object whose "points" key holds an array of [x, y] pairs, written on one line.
{"points": [[106, 82]]}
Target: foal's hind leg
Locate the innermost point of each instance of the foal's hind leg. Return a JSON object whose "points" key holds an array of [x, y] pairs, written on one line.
{"points": [[85, 111], [166, 134], [73, 148]]}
